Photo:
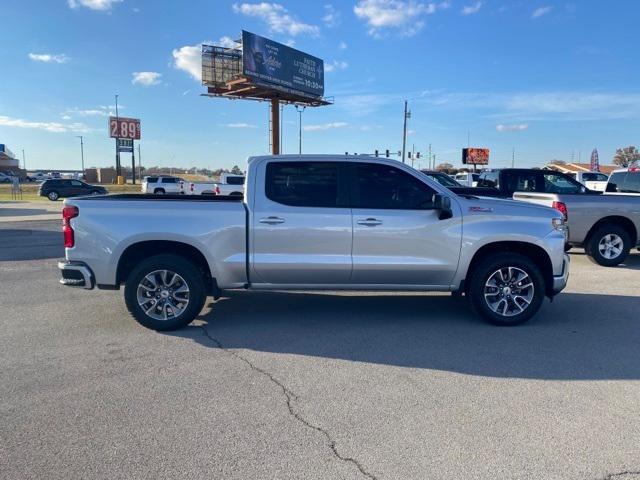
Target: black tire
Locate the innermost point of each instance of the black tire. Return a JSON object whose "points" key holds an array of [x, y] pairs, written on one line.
{"points": [[593, 250], [193, 278], [53, 195], [490, 266], [159, 191], [567, 248]]}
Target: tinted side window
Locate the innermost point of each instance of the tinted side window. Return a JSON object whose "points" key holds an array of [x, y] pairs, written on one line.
{"points": [[152, 179], [76, 183], [488, 179], [303, 184], [386, 187], [594, 177], [235, 180], [616, 181], [521, 181], [169, 180], [557, 183]]}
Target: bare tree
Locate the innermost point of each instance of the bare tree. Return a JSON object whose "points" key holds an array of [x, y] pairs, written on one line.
{"points": [[626, 156]]}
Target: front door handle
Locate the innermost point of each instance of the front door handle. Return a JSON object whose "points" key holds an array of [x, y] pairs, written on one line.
{"points": [[370, 222], [271, 220]]}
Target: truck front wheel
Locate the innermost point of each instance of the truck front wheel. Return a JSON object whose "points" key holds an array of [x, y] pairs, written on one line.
{"points": [[506, 289], [608, 246], [165, 292]]}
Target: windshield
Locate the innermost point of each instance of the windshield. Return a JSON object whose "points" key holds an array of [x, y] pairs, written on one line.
{"points": [[443, 179]]}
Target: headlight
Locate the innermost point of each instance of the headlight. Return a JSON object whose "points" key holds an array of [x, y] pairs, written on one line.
{"points": [[560, 225]]}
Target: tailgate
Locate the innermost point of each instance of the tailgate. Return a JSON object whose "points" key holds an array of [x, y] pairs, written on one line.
{"points": [[544, 199]]}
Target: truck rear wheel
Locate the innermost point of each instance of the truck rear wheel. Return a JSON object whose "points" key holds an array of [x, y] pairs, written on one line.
{"points": [[165, 292], [506, 289], [609, 245]]}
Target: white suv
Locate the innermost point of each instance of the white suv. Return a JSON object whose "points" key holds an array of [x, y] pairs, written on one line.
{"points": [[162, 185], [624, 181]]}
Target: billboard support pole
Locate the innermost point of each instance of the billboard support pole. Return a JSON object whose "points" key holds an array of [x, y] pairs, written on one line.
{"points": [[275, 126]]}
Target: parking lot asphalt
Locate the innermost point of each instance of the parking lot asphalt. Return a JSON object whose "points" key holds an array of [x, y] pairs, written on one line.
{"points": [[314, 385]]}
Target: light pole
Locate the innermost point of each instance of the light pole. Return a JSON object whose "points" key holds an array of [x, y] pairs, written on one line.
{"points": [[300, 110], [81, 153], [24, 162], [407, 114]]}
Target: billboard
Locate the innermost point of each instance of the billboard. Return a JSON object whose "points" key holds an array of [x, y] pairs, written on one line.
{"points": [[121, 127], [273, 64], [475, 156]]}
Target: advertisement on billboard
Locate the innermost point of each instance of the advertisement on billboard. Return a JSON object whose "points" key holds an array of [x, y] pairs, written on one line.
{"points": [[274, 64], [475, 156], [121, 127]]}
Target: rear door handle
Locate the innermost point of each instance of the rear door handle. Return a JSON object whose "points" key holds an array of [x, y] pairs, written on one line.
{"points": [[370, 222], [271, 220]]}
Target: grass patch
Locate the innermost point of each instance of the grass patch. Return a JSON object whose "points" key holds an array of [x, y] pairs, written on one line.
{"points": [[30, 191]]}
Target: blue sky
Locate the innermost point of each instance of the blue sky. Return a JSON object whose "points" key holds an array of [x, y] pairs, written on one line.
{"points": [[546, 78]]}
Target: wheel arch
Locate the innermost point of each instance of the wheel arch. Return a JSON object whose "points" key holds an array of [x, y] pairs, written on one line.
{"points": [[618, 220], [136, 252], [535, 253]]}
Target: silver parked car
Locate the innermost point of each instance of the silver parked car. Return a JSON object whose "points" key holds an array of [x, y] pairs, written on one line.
{"points": [[313, 222]]}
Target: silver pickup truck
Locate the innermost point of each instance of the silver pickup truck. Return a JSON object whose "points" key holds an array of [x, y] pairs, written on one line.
{"points": [[606, 226], [315, 222]]}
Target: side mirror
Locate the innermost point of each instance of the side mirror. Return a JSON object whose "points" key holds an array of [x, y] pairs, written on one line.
{"points": [[442, 204]]}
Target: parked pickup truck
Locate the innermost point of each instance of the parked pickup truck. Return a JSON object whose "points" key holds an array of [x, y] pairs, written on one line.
{"points": [[595, 181], [459, 189], [507, 181], [316, 222], [229, 184], [607, 226]]}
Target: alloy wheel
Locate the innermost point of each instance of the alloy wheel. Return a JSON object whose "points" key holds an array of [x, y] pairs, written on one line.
{"points": [[509, 291], [163, 295]]}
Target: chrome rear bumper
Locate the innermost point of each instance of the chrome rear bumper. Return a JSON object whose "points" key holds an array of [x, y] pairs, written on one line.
{"points": [[76, 274]]}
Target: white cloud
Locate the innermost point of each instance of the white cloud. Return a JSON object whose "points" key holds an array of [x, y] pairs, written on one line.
{"points": [[324, 126], [146, 79], [54, 127], [331, 17], [518, 127], [539, 12], [277, 18], [405, 16], [101, 111], [335, 65], [238, 125], [102, 5], [290, 43], [228, 42], [343, 46], [189, 59], [471, 9], [49, 58]]}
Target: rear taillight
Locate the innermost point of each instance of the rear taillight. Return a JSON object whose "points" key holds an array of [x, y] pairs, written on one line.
{"points": [[217, 190], [562, 208], [67, 214], [192, 187]]}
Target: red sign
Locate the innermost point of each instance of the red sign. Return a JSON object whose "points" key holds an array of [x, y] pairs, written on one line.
{"points": [[124, 127], [475, 156]]}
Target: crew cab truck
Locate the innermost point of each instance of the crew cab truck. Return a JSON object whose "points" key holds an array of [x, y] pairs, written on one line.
{"points": [[508, 181], [607, 226], [321, 223]]}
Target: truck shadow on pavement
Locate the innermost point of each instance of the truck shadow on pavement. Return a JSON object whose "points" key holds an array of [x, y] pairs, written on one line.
{"points": [[578, 337], [632, 262]]}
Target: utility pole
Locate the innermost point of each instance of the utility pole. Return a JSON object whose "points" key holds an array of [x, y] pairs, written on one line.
{"points": [[468, 138], [139, 164], [281, 122], [24, 162], [81, 153], [513, 157], [118, 172], [407, 114], [300, 110], [430, 168]]}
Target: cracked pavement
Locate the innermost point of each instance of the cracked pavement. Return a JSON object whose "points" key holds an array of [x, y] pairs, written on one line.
{"points": [[315, 385]]}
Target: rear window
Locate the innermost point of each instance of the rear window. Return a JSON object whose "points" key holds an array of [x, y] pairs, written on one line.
{"points": [[624, 182], [594, 177], [235, 180]]}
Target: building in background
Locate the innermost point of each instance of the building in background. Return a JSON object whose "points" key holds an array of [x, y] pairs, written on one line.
{"points": [[8, 160]]}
